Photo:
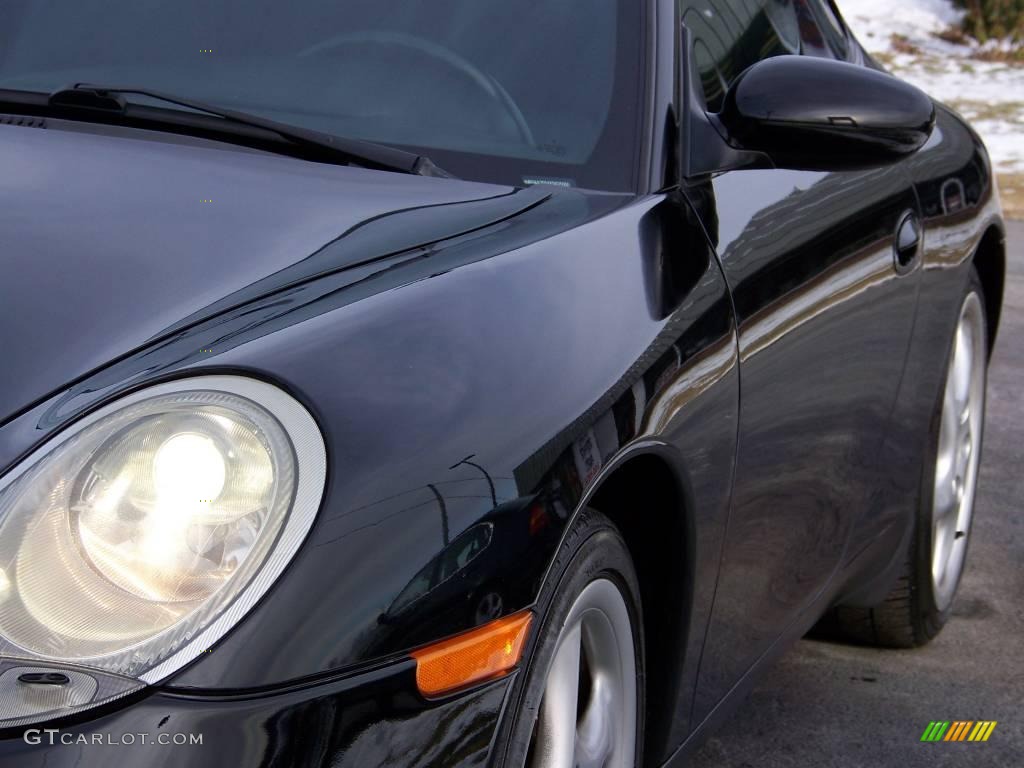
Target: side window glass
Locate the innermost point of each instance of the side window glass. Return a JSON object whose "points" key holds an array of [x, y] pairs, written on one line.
{"points": [[784, 21], [465, 549], [731, 35], [821, 31]]}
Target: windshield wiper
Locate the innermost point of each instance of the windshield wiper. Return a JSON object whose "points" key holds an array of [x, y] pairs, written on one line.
{"points": [[110, 99]]}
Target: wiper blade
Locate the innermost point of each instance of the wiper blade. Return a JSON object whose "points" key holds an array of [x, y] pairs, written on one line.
{"points": [[105, 98]]}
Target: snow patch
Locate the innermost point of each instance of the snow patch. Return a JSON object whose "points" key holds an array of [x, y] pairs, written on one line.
{"points": [[903, 34]]}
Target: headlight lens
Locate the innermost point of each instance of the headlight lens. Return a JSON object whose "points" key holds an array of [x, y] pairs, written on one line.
{"points": [[138, 537], [172, 508]]}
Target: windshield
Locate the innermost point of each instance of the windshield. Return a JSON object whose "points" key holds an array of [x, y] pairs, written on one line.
{"points": [[508, 91]]}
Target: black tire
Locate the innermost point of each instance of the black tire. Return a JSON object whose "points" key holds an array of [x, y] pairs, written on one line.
{"points": [[909, 616], [593, 549]]}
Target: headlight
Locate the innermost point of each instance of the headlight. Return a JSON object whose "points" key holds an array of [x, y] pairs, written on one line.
{"points": [[139, 536]]}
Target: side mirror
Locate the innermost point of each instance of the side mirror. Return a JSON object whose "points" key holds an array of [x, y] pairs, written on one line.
{"points": [[808, 113]]}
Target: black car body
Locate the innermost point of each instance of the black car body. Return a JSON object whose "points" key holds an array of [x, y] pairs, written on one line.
{"points": [[739, 367]]}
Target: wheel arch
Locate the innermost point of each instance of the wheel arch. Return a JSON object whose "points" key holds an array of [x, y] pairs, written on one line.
{"points": [[990, 261], [648, 481]]}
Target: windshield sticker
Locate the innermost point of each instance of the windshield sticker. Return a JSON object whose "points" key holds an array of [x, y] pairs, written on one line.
{"points": [[552, 182]]}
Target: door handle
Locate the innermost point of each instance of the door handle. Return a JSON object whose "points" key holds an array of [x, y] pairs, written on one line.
{"points": [[907, 246]]}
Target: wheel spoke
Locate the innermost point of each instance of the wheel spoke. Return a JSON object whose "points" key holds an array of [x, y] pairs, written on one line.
{"points": [[962, 369], [594, 740], [557, 726], [942, 544], [964, 451], [949, 427], [945, 501]]}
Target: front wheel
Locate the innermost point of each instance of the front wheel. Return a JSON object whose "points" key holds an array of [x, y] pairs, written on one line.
{"points": [[580, 699]]}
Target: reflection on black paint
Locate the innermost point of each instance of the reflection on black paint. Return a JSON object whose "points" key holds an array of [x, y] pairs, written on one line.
{"points": [[824, 325]]}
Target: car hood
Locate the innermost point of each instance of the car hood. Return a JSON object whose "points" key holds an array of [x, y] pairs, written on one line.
{"points": [[113, 238]]}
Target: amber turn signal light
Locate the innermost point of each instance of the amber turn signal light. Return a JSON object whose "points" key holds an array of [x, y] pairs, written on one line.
{"points": [[481, 654]]}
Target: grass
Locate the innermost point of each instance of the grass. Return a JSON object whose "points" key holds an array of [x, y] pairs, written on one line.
{"points": [[1005, 111], [1011, 190], [902, 44]]}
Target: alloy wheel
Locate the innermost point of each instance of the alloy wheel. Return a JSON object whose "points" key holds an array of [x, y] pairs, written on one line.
{"points": [[956, 470], [588, 713]]}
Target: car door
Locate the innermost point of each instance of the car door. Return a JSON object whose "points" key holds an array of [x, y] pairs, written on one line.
{"points": [[824, 311]]}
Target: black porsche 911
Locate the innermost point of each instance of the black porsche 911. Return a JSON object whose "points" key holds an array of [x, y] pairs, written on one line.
{"points": [[468, 382]]}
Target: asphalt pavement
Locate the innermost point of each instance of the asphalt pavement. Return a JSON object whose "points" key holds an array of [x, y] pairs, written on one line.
{"points": [[838, 706]]}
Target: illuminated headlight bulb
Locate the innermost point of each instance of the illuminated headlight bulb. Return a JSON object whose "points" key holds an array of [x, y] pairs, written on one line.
{"points": [[170, 509], [188, 469]]}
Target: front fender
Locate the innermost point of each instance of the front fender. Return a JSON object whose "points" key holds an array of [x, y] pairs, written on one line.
{"points": [[487, 381]]}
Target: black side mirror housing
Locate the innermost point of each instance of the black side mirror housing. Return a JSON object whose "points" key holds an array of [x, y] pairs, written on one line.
{"points": [[817, 114], [799, 113]]}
